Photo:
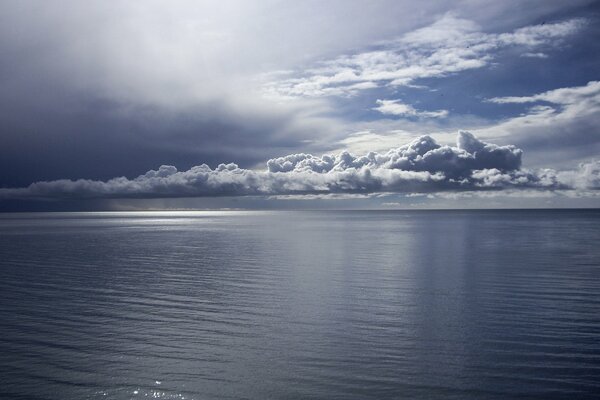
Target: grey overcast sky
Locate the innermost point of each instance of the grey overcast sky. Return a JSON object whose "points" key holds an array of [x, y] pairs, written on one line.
{"points": [[299, 104]]}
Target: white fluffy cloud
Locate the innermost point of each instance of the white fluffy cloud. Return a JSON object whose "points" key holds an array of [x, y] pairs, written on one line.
{"points": [[396, 107], [448, 46], [419, 166]]}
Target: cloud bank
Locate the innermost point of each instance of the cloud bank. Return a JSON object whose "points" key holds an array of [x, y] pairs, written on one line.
{"points": [[422, 165]]}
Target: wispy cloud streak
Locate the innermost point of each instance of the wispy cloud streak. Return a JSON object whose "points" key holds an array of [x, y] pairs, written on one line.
{"points": [[448, 46], [581, 95]]}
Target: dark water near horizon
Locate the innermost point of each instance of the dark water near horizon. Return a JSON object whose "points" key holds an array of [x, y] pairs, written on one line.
{"points": [[300, 305]]}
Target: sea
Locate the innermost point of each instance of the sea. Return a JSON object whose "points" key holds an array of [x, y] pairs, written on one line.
{"points": [[479, 304]]}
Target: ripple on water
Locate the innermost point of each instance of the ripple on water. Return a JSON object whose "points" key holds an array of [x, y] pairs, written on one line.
{"points": [[450, 305]]}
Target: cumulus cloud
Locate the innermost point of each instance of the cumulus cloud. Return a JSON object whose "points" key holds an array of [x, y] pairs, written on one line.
{"points": [[423, 154], [422, 165], [396, 107], [449, 45]]}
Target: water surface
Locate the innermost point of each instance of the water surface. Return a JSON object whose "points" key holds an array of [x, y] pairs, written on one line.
{"points": [[300, 305]]}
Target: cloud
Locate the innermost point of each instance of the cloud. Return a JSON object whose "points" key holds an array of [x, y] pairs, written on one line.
{"points": [[539, 34], [97, 89], [562, 124], [423, 154], [449, 45], [588, 176], [422, 165], [117, 88], [396, 107], [534, 55], [105, 139], [583, 96]]}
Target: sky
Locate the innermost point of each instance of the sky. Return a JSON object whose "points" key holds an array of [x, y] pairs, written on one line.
{"points": [[126, 105]]}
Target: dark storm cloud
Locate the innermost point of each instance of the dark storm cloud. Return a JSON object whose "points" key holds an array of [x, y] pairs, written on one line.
{"points": [[96, 90], [420, 166], [100, 138]]}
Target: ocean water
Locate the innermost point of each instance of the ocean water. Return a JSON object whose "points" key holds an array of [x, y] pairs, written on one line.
{"points": [[300, 305]]}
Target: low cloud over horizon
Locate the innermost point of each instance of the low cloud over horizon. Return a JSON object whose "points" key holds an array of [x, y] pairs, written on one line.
{"points": [[421, 166]]}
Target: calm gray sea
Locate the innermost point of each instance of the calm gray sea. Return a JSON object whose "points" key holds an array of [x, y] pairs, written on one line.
{"points": [[300, 305]]}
